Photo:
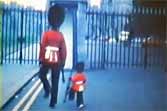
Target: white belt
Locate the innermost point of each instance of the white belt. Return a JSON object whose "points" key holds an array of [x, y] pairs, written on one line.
{"points": [[51, 48], [79, 82]]}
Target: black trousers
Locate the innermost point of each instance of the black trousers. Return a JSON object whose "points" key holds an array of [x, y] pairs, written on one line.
{"points": [[55, 74], [79, 98]]}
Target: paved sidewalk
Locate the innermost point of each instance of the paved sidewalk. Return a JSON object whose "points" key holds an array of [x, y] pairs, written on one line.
{"points": [[14, 76], [116, 90]]}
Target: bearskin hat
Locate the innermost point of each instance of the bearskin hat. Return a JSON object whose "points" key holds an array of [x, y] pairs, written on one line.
{"points": [[80, 67], [56, 15]]}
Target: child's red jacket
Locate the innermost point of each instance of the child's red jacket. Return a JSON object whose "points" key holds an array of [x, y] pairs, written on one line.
{"points": [[78, 82]]}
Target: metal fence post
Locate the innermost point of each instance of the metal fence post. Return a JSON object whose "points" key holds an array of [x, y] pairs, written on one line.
{"points": [[166, 45], [1, 32], [75, 52], [21, 37]]}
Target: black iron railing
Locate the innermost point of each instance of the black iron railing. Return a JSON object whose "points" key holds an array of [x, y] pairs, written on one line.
{"points": [[117, 39]]}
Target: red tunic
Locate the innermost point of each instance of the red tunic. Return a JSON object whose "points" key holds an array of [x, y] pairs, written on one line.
{"points": [[55, 39], [78, 82]]}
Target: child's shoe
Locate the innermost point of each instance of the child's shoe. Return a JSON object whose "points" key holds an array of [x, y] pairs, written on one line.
{"points": [[81, 106]]}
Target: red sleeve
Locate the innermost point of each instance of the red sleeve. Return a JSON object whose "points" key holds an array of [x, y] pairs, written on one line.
{"points": [[63, 50], [79, 77], [74, 78], [42, 46]]}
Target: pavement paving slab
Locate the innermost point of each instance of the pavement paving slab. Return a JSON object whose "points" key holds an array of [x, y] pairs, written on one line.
{"points": [[14, 76]]}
